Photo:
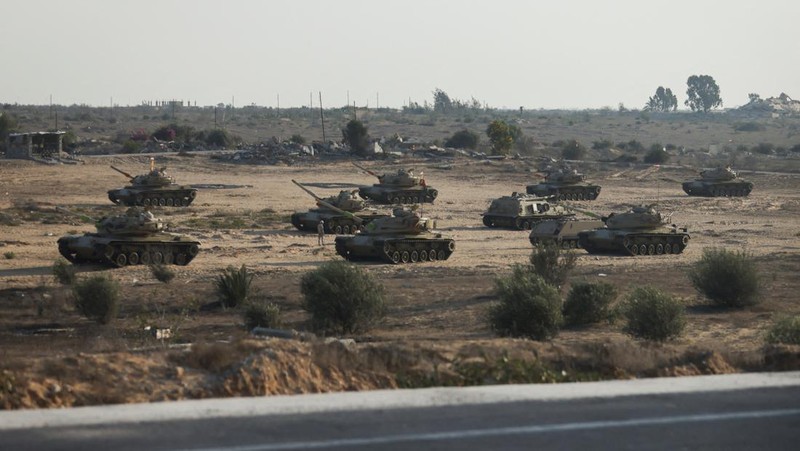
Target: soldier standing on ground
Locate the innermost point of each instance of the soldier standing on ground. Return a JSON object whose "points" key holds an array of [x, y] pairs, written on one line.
{"points": [[321, 233]]}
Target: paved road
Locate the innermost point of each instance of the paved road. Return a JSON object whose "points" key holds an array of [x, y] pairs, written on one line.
{"points": [[717, 412]]}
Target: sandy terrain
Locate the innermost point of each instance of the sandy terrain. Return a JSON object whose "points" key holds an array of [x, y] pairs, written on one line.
{"points": [[436, 311]]}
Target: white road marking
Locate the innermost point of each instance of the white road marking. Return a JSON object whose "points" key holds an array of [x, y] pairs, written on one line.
{"points": [[520, 430]]}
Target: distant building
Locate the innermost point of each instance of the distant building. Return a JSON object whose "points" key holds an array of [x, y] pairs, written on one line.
{"points": [[34, 144]]}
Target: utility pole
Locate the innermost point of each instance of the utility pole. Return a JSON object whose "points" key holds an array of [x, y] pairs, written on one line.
{"points": [[322, 117], [278, 109], [377, 100]]}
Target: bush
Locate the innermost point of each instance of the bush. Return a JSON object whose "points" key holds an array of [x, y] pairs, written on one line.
{"points": [[97, 298], [297, 139], [342, 298], [9, 255], [356, 136], [262, 314], [463, 139], [573, 150], [131, 146], [748, 127], [785, 330], [529, 307], [64, 272], [219, 138], [551, 263], [653, 315], [764, 148], [162, 273], [727, 278], [233, 286], [656, 156], [589, 303]]}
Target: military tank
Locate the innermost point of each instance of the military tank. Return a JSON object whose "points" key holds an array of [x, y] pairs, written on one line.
{"points": [[563, 232], [564, 184], [333, 221], [402, 187], [154, 188], [718, 182], [642, 230], [136, 237], [521, 211], [404, 237]]}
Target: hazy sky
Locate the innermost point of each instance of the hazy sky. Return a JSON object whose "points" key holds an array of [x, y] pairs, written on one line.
{"points": [[536, 54]]}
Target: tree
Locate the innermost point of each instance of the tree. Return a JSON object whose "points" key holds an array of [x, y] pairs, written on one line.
{"points": [[501, 136], [754, 97], [8, 124], [703, 93], [355, 135], [441, 101], [664, 100]]}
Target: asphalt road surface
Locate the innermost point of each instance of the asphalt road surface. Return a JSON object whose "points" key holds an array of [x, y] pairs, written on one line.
{"points": [[713, 412]]}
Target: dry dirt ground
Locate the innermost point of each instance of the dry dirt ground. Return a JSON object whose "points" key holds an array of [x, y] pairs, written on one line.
{"points": [[435, 331]]}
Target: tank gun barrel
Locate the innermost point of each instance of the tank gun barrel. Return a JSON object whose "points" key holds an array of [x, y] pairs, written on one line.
{"points": [[586, 212], [122, 172], [365, 169], [322, 203]]}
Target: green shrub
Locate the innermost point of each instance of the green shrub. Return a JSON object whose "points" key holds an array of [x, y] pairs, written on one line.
{"points": [[656, 156], [653, 315], [97, 298], [261, 314], [589, 303], [785, 330], [297, 139], [573, 150], [233, 286], [529, 306], [131, 146], [64, 272], [9, 255], [551, 263], [464, 139], [727, 278], [342, 298], [162, 273]]}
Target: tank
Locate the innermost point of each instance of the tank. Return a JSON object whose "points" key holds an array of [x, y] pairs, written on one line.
{"points": [[402, 187], [563, 231], [333, 221], [153, 188], [521, 211], [718, 182], [133, 238], [564, 184], [642, 230]]}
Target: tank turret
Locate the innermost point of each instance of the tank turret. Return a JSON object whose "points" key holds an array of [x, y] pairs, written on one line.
{"points": [[155, 188], [333, 221], [718, 182], [564, 183], [135, 237], [522, 211], [642, 230], [402, 187]]}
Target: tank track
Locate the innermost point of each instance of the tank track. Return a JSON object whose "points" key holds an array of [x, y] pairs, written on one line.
{"points": [[172, 198], [567, 192], [124, 253], [644, 244], [739, 189], [563, 243], [518, 222], [338, 225], [399, 251], [410, 196]]}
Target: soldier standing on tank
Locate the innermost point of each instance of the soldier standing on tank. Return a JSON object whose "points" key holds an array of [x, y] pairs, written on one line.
{"points": [[321, 233]]}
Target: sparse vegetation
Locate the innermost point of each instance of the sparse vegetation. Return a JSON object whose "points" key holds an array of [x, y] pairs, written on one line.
{"points": [[500, 136], [727, 278], [551, 263], [573, 150], [785, 330], [589, 303], [261, 314], [233, 285], [297, 139], [64, 272], [653, 314], [463, 139], [657, 155], [529, 307], [342, 298], [97, 298], [9, 255], [162, 273]]}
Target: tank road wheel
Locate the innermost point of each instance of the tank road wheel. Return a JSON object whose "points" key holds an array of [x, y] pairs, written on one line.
{"points": [[518, 223], [346, 230], [404, 257], [158, 258], [146, 258], [423, 255], [414, 257], [337, 230], [184, 202], [565, 245], [659, 249], [642, 249], [395, 200], [573, 244], [181, 259], [162, 201], [440, 255], [139, 199], [487, 221], [121, 260], [169, 258], [667, 248], [580, 196], [133, 258], [395, 257], [432, 255], [634, 250], [651, 249], [170, 202], [527, 225], [193, 250], [146, 201]]}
